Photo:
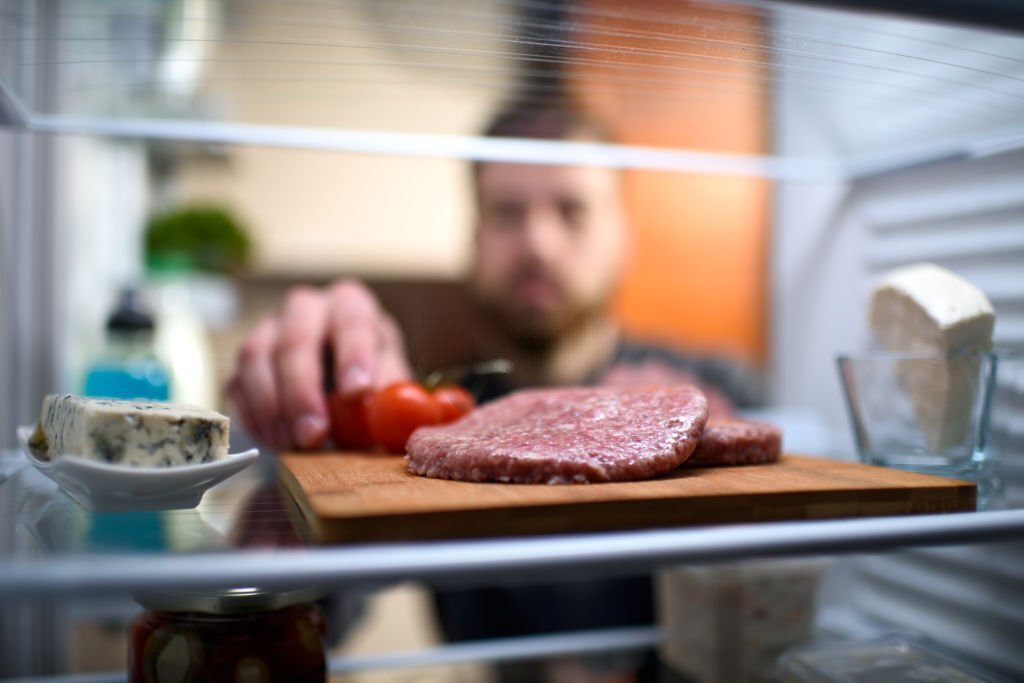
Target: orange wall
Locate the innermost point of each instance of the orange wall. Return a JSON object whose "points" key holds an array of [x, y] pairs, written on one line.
{"points": [[698, 276]]}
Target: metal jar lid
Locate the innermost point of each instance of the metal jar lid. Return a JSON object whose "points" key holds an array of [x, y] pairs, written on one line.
{"points": [[247, 600]]}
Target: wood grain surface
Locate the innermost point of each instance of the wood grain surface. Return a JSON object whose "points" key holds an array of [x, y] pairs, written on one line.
{"points": [[356, 497]]}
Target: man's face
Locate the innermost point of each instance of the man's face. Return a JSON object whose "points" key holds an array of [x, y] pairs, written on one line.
{"points": [[549, 247]]}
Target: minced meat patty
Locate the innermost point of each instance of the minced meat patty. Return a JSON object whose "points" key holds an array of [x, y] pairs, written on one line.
{"points": [[737, 442], [559, 436]]}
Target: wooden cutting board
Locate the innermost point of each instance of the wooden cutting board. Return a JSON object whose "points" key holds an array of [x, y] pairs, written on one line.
{"points": [[354, 497]]}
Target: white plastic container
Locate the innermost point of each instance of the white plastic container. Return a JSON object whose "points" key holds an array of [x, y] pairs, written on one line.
{"points": [[729, 623]]}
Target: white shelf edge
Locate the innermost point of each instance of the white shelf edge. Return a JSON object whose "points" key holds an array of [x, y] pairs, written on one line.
{"points": [[467, 147], [13, 112], [519, 150]]}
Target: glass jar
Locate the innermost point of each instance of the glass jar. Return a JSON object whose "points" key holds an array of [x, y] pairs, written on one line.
{"points": [[244, 635]]}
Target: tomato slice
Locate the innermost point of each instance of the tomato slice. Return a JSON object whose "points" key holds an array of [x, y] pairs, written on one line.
{"points": [[454, 402], [397, 410], [350, 423]]}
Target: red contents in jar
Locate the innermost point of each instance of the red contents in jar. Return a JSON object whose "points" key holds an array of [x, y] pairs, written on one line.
{"points": [[261, 647]]}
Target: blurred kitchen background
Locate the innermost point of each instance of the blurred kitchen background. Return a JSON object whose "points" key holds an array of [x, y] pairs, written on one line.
{"points": [[402, 223], [814, 142], [810, 149]]}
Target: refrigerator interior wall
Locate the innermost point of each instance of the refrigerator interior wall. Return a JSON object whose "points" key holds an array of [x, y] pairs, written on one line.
{"points": [[401, 84], [964, 211], [966, 215], [831, 241], [29, 286]]}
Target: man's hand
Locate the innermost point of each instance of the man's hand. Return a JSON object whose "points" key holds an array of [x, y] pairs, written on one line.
{"points": [[279, 380]]}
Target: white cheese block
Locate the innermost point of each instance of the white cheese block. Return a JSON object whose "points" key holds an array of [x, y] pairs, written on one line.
{"points": [[130, 432], [926, 309], [929, 309]]}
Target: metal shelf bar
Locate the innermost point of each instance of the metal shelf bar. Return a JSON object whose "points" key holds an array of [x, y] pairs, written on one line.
{"points": [[502, 649], [508, 649], [490, 560]]}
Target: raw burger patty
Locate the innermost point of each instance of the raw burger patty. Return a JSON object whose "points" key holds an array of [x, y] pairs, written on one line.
{"points": [[560, 436], [736, 442]]}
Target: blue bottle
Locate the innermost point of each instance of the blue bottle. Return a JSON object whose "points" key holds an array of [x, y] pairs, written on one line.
{"points": [[128, 367]]}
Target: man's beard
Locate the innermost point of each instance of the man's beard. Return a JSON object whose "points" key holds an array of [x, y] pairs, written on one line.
{"points": [[536, 332]]}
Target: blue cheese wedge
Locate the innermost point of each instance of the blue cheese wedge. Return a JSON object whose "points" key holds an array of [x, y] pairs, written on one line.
{"points": [[131, 433]]}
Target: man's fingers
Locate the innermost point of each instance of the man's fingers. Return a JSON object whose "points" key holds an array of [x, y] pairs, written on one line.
{"points": [[353, 329], [392, 365], [255, 385], [299, 363], [368, 347], [280, 380]]}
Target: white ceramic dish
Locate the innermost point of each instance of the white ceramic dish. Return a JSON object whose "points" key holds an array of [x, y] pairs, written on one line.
{"points": [[102, 487]]}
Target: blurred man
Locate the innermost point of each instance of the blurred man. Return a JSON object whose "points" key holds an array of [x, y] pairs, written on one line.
{"points": [[550, 244], [549, 248]]}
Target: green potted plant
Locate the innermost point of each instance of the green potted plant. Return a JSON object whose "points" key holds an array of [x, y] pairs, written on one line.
{"points": [[199, 238]]}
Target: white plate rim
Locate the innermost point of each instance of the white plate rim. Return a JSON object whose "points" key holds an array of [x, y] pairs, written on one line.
{"points": [[184, 485]]}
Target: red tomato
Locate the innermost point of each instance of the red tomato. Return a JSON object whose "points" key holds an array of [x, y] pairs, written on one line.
{"points": [[397, 410], [454, 401], [350, 425]]}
